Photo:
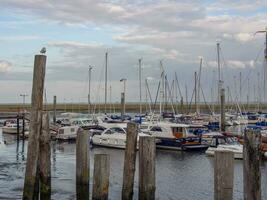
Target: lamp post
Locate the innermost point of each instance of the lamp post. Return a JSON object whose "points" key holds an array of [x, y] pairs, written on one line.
{"points": [[89, 89], [124, 91]]}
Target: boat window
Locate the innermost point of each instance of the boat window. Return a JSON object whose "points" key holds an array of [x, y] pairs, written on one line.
{"points": [[213, 143], [156, 128], [72, 130], [109, 131], [117, 130], [221, 141], [61, 131], [177, 129]]}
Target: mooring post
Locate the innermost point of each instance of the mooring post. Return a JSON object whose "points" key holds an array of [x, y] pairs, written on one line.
{"points": [[147, 153], [23, 125], [18, 127], [35, 126], [45, 159], [129, 161], [101, 177], [251, 165], [82, 165], [54, 109], [222, 110], [122, 104], [223, 175]]}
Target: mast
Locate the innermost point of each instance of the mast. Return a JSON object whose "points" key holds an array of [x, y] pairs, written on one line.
{"points": [[198, 91], [240, 87], [162, 87], [195, 89], [186, 97], [106, 80], [89, 89], [140, 86], [219, 72]]}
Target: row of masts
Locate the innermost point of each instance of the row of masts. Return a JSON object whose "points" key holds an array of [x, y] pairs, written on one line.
{"points": [[166, 94]]}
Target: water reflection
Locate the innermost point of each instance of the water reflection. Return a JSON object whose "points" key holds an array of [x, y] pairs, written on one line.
{"points": [[180, 175]]}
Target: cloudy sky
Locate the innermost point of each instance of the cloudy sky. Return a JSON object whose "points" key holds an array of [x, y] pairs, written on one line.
{"points": [[78, 33]]}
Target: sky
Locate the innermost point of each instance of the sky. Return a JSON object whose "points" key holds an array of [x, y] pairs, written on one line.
{"points": [[77, 34]]}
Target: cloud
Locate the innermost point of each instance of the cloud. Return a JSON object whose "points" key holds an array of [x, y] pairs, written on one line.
{"points": [[5, 66]]}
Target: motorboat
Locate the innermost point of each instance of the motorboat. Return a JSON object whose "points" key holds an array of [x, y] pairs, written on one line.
{"points": [[11, 128], [225, 143], [67, 133], [114, 137]]}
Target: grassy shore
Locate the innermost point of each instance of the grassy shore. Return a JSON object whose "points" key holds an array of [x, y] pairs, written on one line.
{"points": [[130, 107]]}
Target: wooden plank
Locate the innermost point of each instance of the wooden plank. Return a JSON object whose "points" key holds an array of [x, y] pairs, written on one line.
{"points": [[101, 177], [223, 175], [82, 165], [251, 165], [45, 159], [129, 161], [35, 126], [147, 153]]}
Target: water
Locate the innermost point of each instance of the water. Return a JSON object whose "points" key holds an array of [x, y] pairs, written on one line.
{"points": [[179, 175]]}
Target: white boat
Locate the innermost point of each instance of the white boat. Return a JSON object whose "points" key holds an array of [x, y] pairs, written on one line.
{"points": [[114, 137], [11, 128], [67, 133], [165, 130], [222, 143]]}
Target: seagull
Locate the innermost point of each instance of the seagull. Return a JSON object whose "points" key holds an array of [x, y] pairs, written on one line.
{"points": [[43, 50]]}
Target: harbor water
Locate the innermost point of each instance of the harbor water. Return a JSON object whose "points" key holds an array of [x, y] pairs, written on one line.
{"points": [[179, 175]]}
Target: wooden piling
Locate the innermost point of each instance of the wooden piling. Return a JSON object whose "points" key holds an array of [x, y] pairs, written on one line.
{"points": [[223, 175], [251, 165], [45, 159], [101, 177], [222, 109], [18, 127], [35, 126], [147, 153], [122, 104], [82, 165], [23, 126], [129, 161], [54, 109]]}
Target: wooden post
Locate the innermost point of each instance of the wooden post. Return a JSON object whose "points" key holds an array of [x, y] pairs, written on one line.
{"points": [[223, 175], [35, 126], [251, 165], [101, 177], [129, 161], [45, 159], [82, 165], [222, 110], [122, 104], [147, 153], [54, 109], [17, 127], [23, 126]]}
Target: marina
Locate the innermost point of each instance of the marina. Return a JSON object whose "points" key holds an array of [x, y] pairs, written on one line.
{"points": [[147, 100]]}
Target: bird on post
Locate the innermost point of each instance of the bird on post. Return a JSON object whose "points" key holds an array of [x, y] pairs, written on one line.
{"points": [[43, 50]]}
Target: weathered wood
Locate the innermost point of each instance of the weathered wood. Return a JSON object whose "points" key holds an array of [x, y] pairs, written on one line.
{"points": [[129, 161], [223, 175], [122, 104], [54, 109], [251, 165], [23, 126], [101, 177], [18, 127], [45, 159], [82, 165], [35, 126], [222, 109], [147, 153]]}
